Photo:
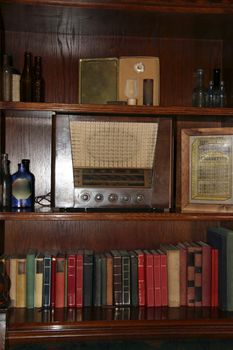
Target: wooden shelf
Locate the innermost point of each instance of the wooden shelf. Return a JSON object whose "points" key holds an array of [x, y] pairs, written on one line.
{"points": [[62, 108], [55, 215], [107, 324]]}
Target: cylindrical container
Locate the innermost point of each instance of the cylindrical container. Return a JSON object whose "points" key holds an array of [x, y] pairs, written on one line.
{"points": [[148, 92]]}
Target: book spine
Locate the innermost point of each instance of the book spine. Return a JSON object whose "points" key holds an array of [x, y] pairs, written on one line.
{"points": [[149, 267], [125, 280], [30, 280], [79, 280], [206, 276], [53, 274], [13, 274], [47, 282], [214, 277], [134, 278], [103, 280], [164, 291], [141, 280], [97, 280], [71, 268], [190, 278], [87, 278], [39, 262], [109, 267], [183, 276], [21, 283], [60, 282], [198, 277], [173, 263], [157, 280], [117, 279]]}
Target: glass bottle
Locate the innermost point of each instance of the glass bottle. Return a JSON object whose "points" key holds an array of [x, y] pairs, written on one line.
{"points": [[222, 97], [5, 182], [6, 78], [199, 92], [38, 81], [22, 187], [216, 87], [210, 95], [26, 79]]}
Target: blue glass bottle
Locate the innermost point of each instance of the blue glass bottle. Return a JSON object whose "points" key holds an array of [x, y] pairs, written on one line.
{"points": [[23, 187]]}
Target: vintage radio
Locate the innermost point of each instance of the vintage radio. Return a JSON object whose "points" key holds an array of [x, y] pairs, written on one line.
{"points": [[112, 162]]}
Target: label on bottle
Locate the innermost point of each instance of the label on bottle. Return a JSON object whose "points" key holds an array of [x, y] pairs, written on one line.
{"points": [[21, 189]]}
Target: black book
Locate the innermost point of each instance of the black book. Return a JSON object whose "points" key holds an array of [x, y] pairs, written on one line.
{"points": [[46, 293], [117, 278], [133, 278], [103, 280], [125, 265], [87, 277], [97, 280]]}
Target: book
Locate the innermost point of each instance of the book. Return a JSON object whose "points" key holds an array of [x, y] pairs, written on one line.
{"points": [[222, 239], [109, 278], [198, 277], [173, 273], [87, 277], [133, 278], [164, 287], [103, 280], [53, 280], [46, 294], [141, 278], [13, 274], [149, 278], [183, 273], [97, 280], [194, 272], [60, 281], [125, 265], [71, 279], [157, 277], [21, 282], [117, 278], [79, 278], [206, 273], [39, 267], [214, 277], [30, 279]]}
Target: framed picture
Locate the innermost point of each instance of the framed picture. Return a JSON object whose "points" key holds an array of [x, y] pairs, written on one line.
{"points": [[206, 170]]}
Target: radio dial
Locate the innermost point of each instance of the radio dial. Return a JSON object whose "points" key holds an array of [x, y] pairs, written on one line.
{"points": [[85, 197], [139, 198], [99, 197], [113, 197], [125, 198]]}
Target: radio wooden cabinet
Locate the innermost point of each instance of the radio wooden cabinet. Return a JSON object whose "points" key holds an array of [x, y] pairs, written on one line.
{"points": [[185, 35]]}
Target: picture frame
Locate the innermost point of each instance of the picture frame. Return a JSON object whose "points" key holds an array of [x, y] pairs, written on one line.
{"points": [[207, 170]]}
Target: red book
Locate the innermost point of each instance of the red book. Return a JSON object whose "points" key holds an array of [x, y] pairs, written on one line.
{"points": [[141, 278], [163, 278], [206, 273], [53, 275], [214, 277], [71, 280], [79, 279], [149, 271], [60, 281], [183, 273], [157, 277]]}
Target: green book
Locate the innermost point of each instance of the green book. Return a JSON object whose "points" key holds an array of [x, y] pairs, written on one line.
{"points": [[222, 239], [30, 279]]}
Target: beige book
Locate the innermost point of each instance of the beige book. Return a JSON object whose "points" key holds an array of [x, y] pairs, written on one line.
{"points": [[21, 282], [12, 275], [139, 68], [173, 274], [39, 261]]}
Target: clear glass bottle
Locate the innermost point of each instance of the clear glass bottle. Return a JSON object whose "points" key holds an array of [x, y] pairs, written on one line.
{"points": [[199, 93], [5, 182], [38, 85], [6, 78], [23, 187], [26, 79]]}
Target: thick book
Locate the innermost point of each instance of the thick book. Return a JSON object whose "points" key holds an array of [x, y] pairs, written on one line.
{"points": [[149, 277], [109, 279], [60, 281], [126, 288], [206, 273], [88, 278], [39, 267], [173, 273], [46, 295], [133, 278], [141, 278], [71, 280], [117, 277], [157, 278], [194, 272], [21, 282], [30, 279], [163, 274], [222, 239], [183, 273], [79, 278]]}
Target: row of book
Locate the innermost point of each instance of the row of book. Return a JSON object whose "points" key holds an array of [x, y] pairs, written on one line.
{"points": [[180, 274]]}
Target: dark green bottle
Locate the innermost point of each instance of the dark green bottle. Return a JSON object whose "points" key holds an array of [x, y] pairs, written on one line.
{"points": [[26, 79]]}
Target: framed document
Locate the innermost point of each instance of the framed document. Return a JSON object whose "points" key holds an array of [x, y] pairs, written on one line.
{"points": [[206, 170]]}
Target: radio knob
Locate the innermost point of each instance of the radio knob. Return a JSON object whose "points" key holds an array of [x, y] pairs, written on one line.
{"points": [[113, 197], [125, 198], [139, 198], [99, 197], [85, 197]]}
